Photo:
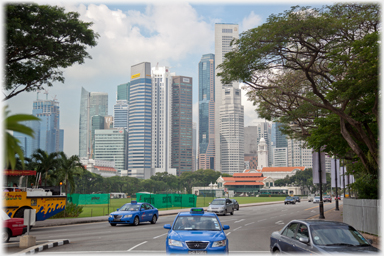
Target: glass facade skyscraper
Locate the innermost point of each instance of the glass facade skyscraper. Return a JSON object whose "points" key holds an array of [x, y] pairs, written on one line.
{"points": [[123, 92], [91, 104], [120, 114], [182, 124], [47, 133], [140, 119], [207, 112]]}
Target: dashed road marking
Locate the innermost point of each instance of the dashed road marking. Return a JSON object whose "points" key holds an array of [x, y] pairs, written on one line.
{"points": [[280, 222], [136, 246], [249, 223], [237, 228], [160, 235], [261, 220], [239, 220]]}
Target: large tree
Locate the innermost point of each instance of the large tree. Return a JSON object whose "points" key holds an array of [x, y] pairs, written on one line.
{"points": [[40, 40], [310, 64]]}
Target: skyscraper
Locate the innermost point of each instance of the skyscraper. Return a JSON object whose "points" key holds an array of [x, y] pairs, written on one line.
{"points": [[47, 133], [207, 112], [140, 120], [91, 104], [123, 92], [232, 131], [229, 113], [161, 117], [182, 124], [120, 114]]}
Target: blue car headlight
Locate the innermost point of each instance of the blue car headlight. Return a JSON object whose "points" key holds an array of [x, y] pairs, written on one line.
{"points": [[219, 243], [172, 242], [110, 216], [127, 216]]}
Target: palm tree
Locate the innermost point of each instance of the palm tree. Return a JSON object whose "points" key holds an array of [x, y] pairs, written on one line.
{"points": [[68, 169], [12, 147], [45, 162]]}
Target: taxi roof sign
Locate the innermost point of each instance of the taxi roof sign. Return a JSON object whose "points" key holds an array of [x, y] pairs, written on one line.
{"points": [[197, 210], [133, 202]]}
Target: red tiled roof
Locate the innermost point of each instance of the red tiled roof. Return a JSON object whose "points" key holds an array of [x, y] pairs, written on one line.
{"points": [[102, 168], [250, 179], [243, 183], [238, 175], [281, 169], [246, 170], [228, 178]]}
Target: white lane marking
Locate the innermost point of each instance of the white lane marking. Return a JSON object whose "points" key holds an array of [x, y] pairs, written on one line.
{"points": [[261, 220], [136, 246], [237, 228], [239, 220], [160, 235], [284, 210], [280, 222], [228, 233], [249, 223]]}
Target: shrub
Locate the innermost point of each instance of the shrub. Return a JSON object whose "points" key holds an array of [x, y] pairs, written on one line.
{"points": [[71, 210]]}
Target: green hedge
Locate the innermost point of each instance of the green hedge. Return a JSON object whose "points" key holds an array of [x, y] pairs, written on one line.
{"points": [[71, 210]]}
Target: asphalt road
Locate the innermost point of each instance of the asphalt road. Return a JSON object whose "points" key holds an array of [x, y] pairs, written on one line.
{"points": [[250, 229]]}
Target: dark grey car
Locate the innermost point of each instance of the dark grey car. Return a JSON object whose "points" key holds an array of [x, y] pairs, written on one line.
{"points": [[236, 205], [319, 236], [221, 206]]}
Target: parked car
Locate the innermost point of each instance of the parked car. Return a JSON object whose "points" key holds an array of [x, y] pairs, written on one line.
{"points": [[134, 213], [310, 199], [316, 199], [319, 237], [327, 199], [221, 206], [12, 227], [196, 232], [338, 197], [289, 200], [297, 198], [236, 205]]}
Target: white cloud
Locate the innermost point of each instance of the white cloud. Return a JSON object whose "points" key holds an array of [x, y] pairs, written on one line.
{"points": [[164, 33], [251, 21]]}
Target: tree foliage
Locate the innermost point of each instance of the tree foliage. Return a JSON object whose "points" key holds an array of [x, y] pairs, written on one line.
{"points": [[40, 40], [316, 71], [12, 148]]}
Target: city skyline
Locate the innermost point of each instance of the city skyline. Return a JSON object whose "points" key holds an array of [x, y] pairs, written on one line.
{"points": [[132, 33]]}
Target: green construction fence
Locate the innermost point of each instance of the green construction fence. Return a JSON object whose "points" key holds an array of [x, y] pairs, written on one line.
{"points": [[83, 199], [168, 200]]}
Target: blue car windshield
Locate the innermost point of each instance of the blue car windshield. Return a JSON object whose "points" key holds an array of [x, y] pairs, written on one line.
{"points": [[207, 223], [130, 207], [331, 235]]}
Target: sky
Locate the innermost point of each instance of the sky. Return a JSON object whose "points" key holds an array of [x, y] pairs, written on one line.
{"points": [[168, 33]]}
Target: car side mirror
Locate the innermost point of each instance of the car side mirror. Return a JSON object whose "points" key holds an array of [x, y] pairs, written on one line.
{"points": [[117, 209], [225, 227], [304, 240], [167, 226]]}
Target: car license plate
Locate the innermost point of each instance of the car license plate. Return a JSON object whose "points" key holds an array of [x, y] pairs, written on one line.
{"points": [[197, 252]]}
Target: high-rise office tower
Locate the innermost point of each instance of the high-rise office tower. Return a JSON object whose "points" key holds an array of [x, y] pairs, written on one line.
{"points": [[298, 155], [91, 104], [161, 117], [250, 146], [281, 139], [120, 114], [111, 145], [232, 131], [140, 121], [224, 34], [207, 112], [47, 133], [182, 124], [123, 92], [194, 148]]}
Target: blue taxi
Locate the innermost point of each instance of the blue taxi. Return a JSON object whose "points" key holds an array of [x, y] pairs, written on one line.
{"points": [[196, 232], [134, 213]]}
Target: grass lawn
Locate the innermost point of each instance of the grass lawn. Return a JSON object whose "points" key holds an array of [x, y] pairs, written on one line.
{"points": [[92, 210]]}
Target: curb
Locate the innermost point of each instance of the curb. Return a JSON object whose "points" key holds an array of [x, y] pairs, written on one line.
{"points": [[41, 247]]}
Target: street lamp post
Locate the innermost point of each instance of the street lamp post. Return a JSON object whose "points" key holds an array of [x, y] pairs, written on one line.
{"points": [[337, 197], [321, 205]]}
